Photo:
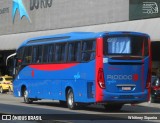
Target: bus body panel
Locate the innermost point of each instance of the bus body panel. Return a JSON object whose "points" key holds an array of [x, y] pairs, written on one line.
{"points": [[125, 80], [131, 74], [52, 84], [126, 97], [126, 77]]}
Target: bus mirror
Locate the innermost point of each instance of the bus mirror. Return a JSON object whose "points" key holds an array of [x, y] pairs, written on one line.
{"points": [[9, 57]]}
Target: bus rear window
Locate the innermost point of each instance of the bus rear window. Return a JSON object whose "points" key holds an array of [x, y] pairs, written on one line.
{"points": [[126, 45], [119, 45]]}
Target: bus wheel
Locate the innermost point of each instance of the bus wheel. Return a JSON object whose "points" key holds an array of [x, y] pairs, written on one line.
{"points": [[1, 90], [26, 99], [113, 107], [70, 100]]}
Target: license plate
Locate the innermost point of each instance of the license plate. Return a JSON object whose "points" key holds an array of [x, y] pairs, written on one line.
{"points": [[126, 88]]}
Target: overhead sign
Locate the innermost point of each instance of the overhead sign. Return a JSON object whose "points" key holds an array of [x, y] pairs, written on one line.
{"points": [[144, 9], [150, 7]]}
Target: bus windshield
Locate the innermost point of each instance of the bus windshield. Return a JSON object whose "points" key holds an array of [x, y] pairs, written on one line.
{"points": [[126, 45]]}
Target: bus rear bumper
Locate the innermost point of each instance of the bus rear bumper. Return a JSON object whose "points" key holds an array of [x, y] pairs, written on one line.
{"points": [[125, 97]]}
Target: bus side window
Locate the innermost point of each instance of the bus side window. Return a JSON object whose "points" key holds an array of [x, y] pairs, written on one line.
{"points": [[48, 53], [20, 53], [88, 50], [27, 55], [70, 51], [51, 53], [78, 52], [64, 52], [60, 52], [74, 51], [92, 55], [34, 54], [37, 54], [57, 53]]}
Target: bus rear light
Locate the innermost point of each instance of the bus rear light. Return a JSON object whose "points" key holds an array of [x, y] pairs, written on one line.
{"points": [[101, 80]]}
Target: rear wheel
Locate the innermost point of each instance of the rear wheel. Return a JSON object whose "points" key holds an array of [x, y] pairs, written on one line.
{"points": [[26, 99], [113, 107], [70, 100], [1, 90]]}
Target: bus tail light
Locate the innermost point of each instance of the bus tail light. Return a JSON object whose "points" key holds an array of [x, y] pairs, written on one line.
{"points": [[101, 80]]}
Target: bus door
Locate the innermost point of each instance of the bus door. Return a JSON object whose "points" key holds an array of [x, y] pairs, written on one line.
{"points": [[125, 63]]}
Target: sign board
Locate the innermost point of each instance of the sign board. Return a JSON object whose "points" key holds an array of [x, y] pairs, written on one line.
{"points": [[144, 9]]}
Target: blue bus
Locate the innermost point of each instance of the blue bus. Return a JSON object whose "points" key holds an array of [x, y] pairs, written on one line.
{"points": [[109, 68]]}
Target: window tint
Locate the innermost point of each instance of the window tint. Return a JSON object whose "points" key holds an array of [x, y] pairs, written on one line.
{"points": [[140, 46], [37, 54], [126, 45], [119, 45], [48, 53], [74, 51], [60, 52], [27, 55], [20, 53], [88, 50]]}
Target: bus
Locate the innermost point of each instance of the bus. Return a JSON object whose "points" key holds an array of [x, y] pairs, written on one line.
{"points": [[107, 68]]}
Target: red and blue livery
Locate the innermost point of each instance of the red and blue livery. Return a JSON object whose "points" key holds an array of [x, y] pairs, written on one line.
{"points": [[110, 68]]}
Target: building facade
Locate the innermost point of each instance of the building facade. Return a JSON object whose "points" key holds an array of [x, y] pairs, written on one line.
{"points": [[23, 19]]}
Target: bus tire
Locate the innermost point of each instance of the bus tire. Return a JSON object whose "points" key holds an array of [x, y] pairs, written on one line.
{"points": [[1, 90], [113, 107], [70, 100], [25, 96]]}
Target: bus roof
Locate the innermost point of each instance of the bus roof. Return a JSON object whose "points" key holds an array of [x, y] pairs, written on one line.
{"points": [[73, 36]]}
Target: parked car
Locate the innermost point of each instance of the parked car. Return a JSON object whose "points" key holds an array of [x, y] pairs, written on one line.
{"points": [[6, 83], [155, 89]]}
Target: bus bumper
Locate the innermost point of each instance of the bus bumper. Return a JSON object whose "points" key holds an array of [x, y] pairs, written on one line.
{"points": [[126, 97]]}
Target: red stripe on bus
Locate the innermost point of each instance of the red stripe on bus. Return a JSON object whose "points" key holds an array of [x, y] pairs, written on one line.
{"points": [[51, 67], [99, 64]]}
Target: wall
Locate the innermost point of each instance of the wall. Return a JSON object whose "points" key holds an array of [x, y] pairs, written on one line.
{"points": [[58, 14]]}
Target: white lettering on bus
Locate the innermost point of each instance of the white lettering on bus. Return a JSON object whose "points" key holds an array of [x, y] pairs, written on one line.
{"points": [[119, 77]]}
